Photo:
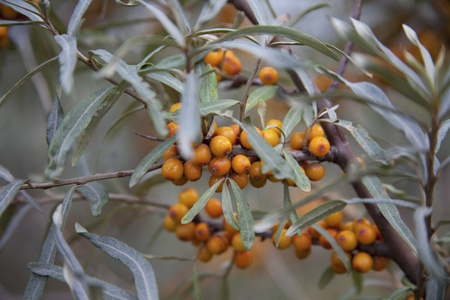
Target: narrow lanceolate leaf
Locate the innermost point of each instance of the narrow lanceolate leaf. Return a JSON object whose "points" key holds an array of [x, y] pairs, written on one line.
{"points": [[389, 211], [227, 207], [109, 291], [180, 17], [258, 11], [70, 129], [13, 223], [142, 270], [167, 79], [244, 215], [190, 116], [287, 203], [280, 230], [260, 94], [442, 133], [102, 110], [399, 294], [201, 202], [358, 281], [97, 195], [55, 118], [168, 25], [145, 164], [292, 118], [36, 283], [197, 289], [67, 60], [339, 251], [319, 213], [76, 18], [5, 174], [208, 89], [130, 74], [209, 11], [8, 192], [215, 107], [326, 277], [365, 141], [300, 178]]}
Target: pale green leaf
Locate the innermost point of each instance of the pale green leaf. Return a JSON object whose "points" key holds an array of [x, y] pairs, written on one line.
{"points": [[326, 277], [97, 195], [208, 88], [358, 281], [227, 207], [180, 17], [258, 11], [300, 178], [167, 79], [76, 18], [263, 93], [213, 107], [5, 174], [55, 118], [340, 253], [399, 294], [305, 12], [15, 221], [292, 118], [67, 60], [209, 11], [197, 288], [8, 192], [442, 133]]}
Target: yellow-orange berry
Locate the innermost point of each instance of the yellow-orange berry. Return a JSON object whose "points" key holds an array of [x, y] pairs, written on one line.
{"points": [[177, 211], [336, 263], [240, 164], [3, 32], [268, 75], [366, 234], [411, 297], [302, 254], [173, 128], [216, 245], [297, 140], [202, 232], [319, 146], [220, 146], [192, 171], [169, 223], [231, 64], [315, 171], [255, 172], [202, 155], [227, 132], [171, 152], [236, 242], [203, 254], [362, 262], [8, 13], [214, 58], [360, 221], [315, 131], [379, 263], [271, 137], [284, 241], [236, 128], [175, 107], [347, 240], [335, 219], [240, 179], [347, 226], [244, 141], [302, 243], [185, 232], [213, 180], [172, 169], [314, 233], [243, 260], [277, 123], [219, 166], [227, 227], [188, 197], [214, 208], [179, 182], [324, 242]]}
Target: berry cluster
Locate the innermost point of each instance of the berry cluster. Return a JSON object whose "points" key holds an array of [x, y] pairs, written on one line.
{"points": [[223, 60], [6, 13]]}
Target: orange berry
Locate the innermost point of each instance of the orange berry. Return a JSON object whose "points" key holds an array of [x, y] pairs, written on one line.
{"points": [[202, 232], [216, 245], [188, 197], [172, 169], [297, 140], [379, 262], [347, 240], [175, 107], [335, 219], [362, 262], [185, 232], [277, 123], [8, 13], [314, 233], [3, 32], [202, 155], [227, 227], [290, 182], [315, 131], [347, 226], [240, 164], [169, 223], [243, 260], [236, 128], [203, 254], [214, 208], [171, 152], [231, 64], [214, 58], [244, 141], [255, 172], [315, 171], [360, 221], [236, 242], [324, 242], [213, 179], [177, 211], [179, 182], [366, 234], [192, 171], [220, 146], [271, 137], [284, 241], [227, 132], [302, 243], [219, 166], [336, 263], [268, 75], [319, 146], [173, 128], [240, 179], [302, 254]]}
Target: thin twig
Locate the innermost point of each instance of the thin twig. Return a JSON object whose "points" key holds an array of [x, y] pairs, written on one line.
{"points": [[247, 89]]}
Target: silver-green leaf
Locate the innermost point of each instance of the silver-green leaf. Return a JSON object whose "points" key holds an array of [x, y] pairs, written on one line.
{"points": [[263, 93], [97, 195]]}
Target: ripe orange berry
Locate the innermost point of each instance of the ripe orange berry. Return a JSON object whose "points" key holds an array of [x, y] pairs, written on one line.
{"points": [[360, 221], [8, 13], [271, 137], [202, 232], [347, 240], [172, 169], [362, 262], [227, 132], [214, 58], [202, 155], [379, 263], [315, 171], [169, 223], [216, 245], [188, 197], [314, 233], [315, 131], [179, 182], [336, 263], [240, 164], [324, 242], [277, 123], [173, 128], [185, 232], [214, 208], [285, 241], [302, 243], [220, 146], [302, 254], [171, 152], [244, 141], [175, 107], [177, 211], [3, 32], [192, 171], [347, 226], [258, 184], [236, 242], [227, 227], [231, 64], [290, 182], [319, 146], [268, 75], [335, 219], [411, 297], [213, 179], [240, 179], [219, 166], [243, 260], [255, 172], [297, 140], [203, 254], [366, 234], [236, 128]]}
